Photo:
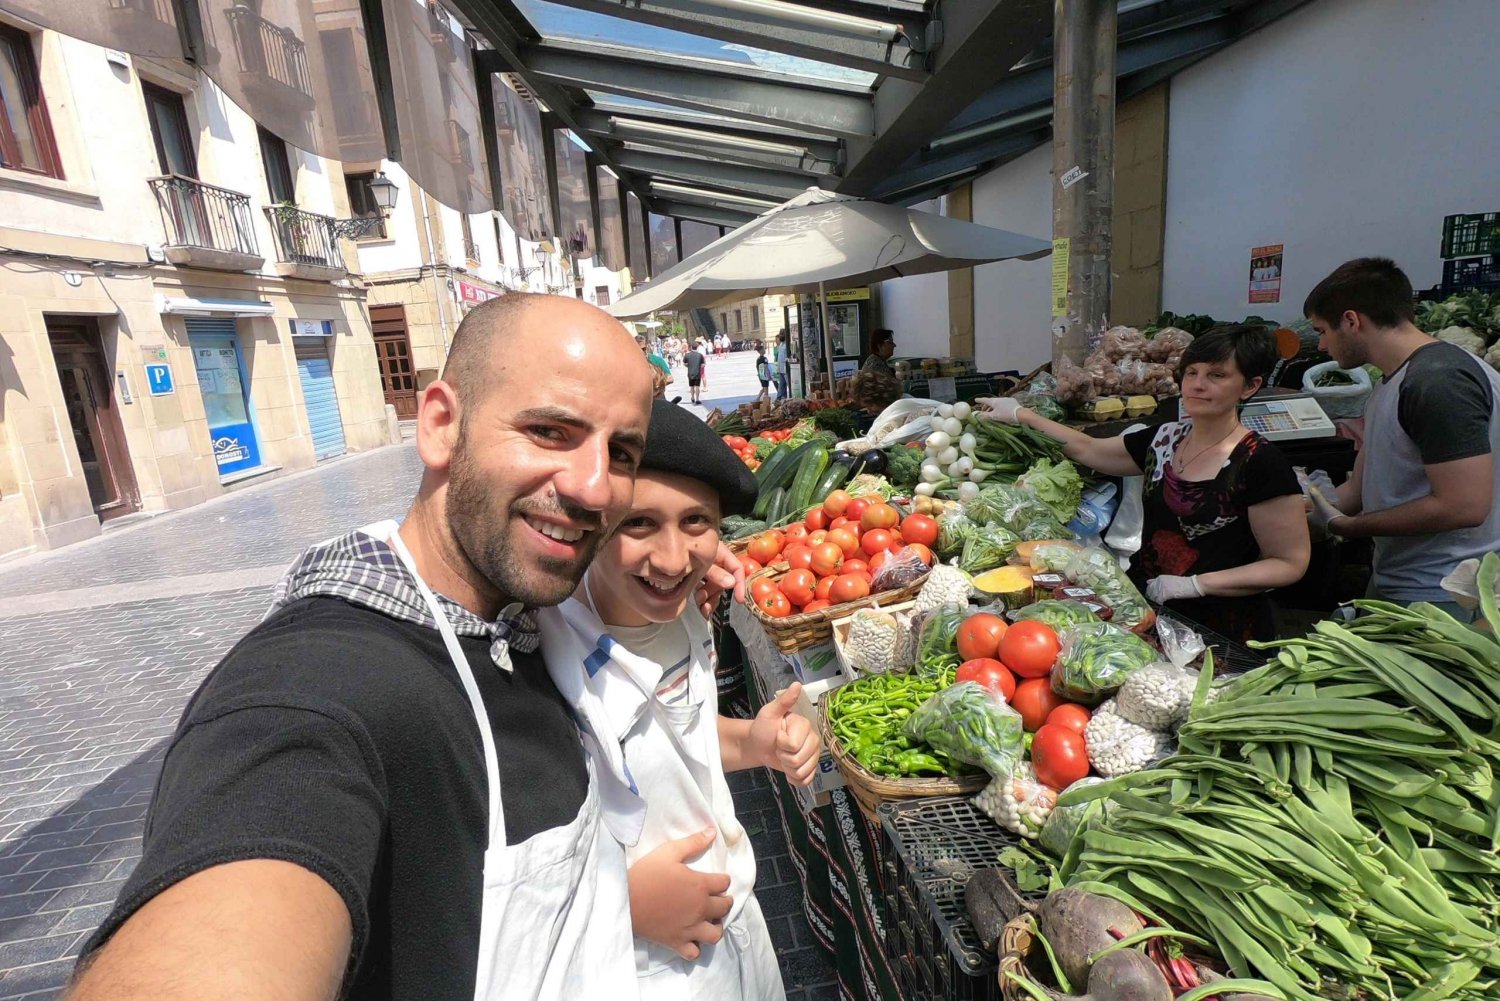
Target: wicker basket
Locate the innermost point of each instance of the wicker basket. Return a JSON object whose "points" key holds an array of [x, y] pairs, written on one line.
{"points": [[807, 629], [870, 790], [1016, 943]]}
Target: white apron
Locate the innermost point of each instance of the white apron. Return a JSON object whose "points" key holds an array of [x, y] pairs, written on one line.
{"points": [[555, 917], [670, 756]]}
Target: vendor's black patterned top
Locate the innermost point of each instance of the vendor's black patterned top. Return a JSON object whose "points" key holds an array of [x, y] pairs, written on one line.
{"points": [[1199, 526]]}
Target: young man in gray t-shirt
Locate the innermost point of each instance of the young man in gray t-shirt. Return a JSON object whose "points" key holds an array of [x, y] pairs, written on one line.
{"points": [[1425, 482]]}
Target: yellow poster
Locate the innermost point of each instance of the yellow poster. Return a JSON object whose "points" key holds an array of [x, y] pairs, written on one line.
{"points": [[1061, 260]]}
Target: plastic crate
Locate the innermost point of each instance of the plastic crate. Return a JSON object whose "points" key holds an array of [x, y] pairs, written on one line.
{"points": [[930, 848], [1470, 273], [1471, 235]]}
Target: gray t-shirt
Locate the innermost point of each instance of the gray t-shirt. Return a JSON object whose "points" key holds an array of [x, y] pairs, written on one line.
{"points": [[693, 361], [1437, 407]]}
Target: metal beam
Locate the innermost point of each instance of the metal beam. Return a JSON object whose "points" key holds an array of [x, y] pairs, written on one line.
{"points": [[641, 125], [717, 119], [752, 27], [979, 38], [712, 214], [834, 112], [972, 159], [806, 169], [764, 182]]}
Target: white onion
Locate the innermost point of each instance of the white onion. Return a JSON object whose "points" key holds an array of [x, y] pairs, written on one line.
{"points": [[977, 475], [945, 410], [961, 410], [953, 426], [965, 466], [968, 491], [953, 471], [947, 456], [924, 489], [931, 472], [967, 443], [939, 440]]}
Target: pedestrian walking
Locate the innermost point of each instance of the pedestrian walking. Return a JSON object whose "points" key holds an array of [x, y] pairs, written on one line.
{"points": [[763, 373], [380, 792], [697, 366], [783, 364]]}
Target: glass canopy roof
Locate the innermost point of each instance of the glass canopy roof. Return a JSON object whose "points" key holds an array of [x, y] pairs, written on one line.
{"points": [[556, 22]]}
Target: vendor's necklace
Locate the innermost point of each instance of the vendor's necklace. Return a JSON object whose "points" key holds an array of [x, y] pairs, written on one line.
{"points": [[1182, 466]]}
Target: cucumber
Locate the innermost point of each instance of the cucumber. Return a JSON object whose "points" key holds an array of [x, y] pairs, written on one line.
{"points": [[831, 480], [777, 506], [809, 471], [769, 466], [782, 475]]}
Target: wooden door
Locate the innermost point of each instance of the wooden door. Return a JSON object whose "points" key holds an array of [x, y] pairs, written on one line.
{"points": [[393, 352], [94, 416]]}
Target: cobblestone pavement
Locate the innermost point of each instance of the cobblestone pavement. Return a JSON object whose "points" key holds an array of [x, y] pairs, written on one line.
{"points": [[105, 641]]}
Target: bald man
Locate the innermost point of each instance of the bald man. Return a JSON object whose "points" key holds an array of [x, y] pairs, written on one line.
{"points": [[379, 793]]}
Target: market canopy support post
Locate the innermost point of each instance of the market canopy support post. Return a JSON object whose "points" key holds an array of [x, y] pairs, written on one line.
{"points": [[1083, 172]]}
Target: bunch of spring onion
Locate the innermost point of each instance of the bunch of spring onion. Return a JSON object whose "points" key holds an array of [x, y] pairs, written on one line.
{"points": [[964, 450], [1332, 819]]}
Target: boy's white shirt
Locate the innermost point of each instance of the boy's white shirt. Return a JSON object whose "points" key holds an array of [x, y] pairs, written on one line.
{"points": [[669, 756]]}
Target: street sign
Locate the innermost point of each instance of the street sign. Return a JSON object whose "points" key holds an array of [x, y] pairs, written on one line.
{"points": [[159, 378]]}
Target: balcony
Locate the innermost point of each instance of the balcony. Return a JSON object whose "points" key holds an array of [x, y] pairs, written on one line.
{"points": [[206, 226], [273, 59], [306, 244]]}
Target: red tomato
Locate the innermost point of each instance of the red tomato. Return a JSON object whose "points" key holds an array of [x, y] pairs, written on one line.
{"points": [[990, 673], [979, 636], [825, 586], [1034, 700], [821, 535], [762, 587], [751, 566], [838, 523], [836, 502], [735, 442], [827, 558], [818, 605], [878, 560], [798, 586], [848, 587], [879, 516], [876, 541], [798, 557], [1060, 755], [775, 605], [923, 553], [920, 528], [1029, 648], [816, 518], [855, 512], [1071, 715], [796, 531], [766, 546], [856, 566], [845, 539]]}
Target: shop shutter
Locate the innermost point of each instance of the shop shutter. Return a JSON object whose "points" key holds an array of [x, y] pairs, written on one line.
{"points": [[321, 398], [210, 326]]}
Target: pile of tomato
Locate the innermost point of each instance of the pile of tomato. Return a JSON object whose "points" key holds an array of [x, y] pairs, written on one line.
{"points": [[741, 447], [833, 555], [1015, 661]]}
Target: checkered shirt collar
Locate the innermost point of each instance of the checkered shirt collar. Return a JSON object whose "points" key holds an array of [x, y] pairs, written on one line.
{"points": [[365, 571]]}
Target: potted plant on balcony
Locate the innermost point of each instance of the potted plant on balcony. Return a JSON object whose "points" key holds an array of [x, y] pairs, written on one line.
{"points": [[297, 233]]}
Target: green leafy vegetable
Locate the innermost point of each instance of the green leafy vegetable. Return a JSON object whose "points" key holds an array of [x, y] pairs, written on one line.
{"points": [[1055, 484], [904, 466], [838, 421]]}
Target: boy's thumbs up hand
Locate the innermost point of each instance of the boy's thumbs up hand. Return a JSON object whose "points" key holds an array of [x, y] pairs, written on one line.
{"points": [[785, 740]]}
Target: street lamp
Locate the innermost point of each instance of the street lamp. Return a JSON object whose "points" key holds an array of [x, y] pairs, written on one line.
{"points": [[383, 192]]}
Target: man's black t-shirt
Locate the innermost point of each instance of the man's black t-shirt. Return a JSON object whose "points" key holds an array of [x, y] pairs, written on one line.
{"points": [[341, 740]]}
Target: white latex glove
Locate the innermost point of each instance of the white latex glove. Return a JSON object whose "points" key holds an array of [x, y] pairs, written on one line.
{"points": [[1002, 409], [1463, 584], [1169, 588], [1320, 512]]}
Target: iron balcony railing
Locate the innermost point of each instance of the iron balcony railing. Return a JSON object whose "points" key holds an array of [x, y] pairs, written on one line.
{"points": [[471, 250], [195, 214], [269, 49], [304, 237]]}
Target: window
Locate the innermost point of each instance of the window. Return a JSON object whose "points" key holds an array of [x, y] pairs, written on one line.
{"points": [[362, 202], [601, 295], [169, 127], [755, 319], [739, 322], [278, 168], [724, 322], [25, 132], [471, 249]]}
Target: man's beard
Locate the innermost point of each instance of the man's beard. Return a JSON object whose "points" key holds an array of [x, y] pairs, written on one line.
{"points": [[481, 529]]}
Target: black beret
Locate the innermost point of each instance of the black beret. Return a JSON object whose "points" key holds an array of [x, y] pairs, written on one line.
{"points": [[679, 442]]}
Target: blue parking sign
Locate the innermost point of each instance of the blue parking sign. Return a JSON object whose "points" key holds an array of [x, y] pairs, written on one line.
{"points": [[159, 378]]}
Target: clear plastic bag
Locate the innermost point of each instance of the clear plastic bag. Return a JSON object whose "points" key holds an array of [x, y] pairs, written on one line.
{"points": [[969, 723], [1099, 570], [1041, 398], [1059, 614], [1075, 384], [1064, 821], [904, 568], [986, 547], [1018, 802], [1167, 346], [1121, 343], [954, 528], [1117, 746], [937, 638], [1157, 697], [1180, 644], [1095, 660]]}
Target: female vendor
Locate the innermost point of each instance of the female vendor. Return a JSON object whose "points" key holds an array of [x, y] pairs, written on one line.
{"points": [[1224, 517]]}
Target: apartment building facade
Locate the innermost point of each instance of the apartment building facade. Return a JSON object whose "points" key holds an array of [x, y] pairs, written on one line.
{"points": [[176, 315]]}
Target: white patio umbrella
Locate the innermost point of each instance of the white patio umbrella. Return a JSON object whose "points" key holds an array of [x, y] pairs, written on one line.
{"points": [[820, 237]]}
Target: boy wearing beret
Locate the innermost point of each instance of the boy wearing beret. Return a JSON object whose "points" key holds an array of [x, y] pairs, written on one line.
{"points": [[634, 657]]}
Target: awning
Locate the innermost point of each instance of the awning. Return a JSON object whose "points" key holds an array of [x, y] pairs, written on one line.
{"points": [[189, 306]]}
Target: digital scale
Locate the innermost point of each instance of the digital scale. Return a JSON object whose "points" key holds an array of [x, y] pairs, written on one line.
{"points": [[1286, 415]]}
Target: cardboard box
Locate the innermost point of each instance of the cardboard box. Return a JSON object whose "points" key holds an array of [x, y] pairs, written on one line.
{"points": [[820, 669]]}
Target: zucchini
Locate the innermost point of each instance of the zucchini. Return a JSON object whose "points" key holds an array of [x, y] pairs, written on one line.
{"points": [[777, 505], [782, 475], [769, 466], [809, 471], [738, 527], [831, 480]]}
